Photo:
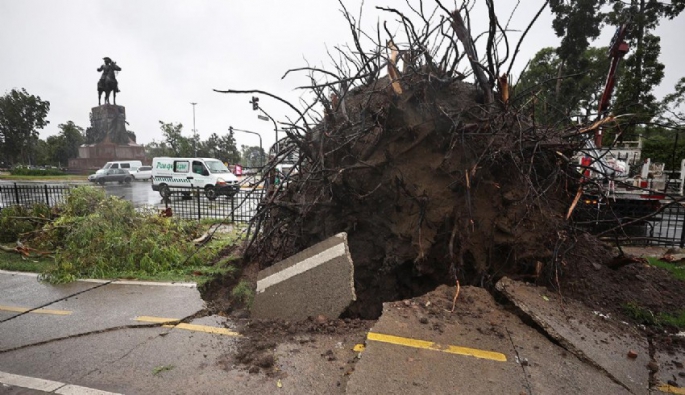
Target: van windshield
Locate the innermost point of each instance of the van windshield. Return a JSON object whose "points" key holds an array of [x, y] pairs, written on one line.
{"points": [[216, 166]]}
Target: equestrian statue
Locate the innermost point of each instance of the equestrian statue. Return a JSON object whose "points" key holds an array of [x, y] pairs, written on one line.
{"points": [[108, 81]]}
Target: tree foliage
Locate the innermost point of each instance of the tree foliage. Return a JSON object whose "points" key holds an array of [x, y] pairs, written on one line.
{"points": [[64, 146], [563, 98], [580, 21], [176, 145], [21, 116], [252, 156]]}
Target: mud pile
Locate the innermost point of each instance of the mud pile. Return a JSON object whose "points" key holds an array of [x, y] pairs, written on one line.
{"points": [[431, 186]]}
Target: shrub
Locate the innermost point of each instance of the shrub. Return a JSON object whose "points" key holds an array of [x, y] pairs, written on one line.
{"points": [[102, 236], [16, 220], [23, 171]]}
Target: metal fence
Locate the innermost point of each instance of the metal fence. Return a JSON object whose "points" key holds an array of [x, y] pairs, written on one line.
{"points": [[191, 203], [28, 195], [184, 203], [660, 225]]}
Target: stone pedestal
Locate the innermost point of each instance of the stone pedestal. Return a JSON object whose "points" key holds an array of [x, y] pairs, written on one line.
{"points": [[109, 121]]}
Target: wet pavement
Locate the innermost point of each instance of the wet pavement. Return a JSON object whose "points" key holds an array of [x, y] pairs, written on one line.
{"points": [[98, 337]]}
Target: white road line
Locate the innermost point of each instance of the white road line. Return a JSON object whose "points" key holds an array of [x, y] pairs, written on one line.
{"points": [[29, 382], [78, 390], [49, 385], [123, 282], [301, 267]]}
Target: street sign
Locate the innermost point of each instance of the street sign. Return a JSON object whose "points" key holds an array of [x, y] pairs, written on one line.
{"points": [[262, 117]]}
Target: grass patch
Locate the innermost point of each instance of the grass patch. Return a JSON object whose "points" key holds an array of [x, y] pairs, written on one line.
{"points": [[66, 177], [160, 369], [18, 263], [243, 293], [646, 317], [678, 271]]}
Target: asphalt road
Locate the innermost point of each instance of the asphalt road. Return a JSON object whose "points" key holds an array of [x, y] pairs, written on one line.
{"points": [[107, 338]]}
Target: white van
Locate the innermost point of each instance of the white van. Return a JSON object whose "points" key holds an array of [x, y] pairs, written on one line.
{"points": [[130, 165], [207, 173]]}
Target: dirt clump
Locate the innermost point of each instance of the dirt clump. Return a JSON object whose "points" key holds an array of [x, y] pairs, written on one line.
{"points": [[256, 351]]}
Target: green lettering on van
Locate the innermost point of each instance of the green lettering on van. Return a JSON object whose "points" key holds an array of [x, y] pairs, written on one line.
{"points": [[164, 166]]}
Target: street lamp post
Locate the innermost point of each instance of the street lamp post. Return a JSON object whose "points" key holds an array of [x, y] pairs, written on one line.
{"points": [[194, 131], [261, 149]]}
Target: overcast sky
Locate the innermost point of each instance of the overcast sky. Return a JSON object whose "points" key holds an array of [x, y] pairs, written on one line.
{"points": [[175, 52]]}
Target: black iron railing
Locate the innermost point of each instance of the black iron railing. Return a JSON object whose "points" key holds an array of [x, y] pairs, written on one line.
{"points": [[637, 222], [28, 195], [192, 203]]}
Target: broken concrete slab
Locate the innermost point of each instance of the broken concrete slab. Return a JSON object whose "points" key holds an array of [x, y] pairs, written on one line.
{"points": [[591, 336], [313, 282], [426, 364]]}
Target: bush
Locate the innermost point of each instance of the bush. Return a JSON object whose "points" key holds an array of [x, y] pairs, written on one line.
{"points": [[24, 171], [16, 220], [104, 236]]}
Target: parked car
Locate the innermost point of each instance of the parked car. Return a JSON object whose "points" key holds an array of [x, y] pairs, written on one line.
{"points": [[119, 175], [143, 173]]}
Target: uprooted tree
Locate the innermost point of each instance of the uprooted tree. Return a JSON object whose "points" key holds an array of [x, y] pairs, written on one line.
{"points": [[435, 180]]}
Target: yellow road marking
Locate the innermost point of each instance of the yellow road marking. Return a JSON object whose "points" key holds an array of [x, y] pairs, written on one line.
{"points": [[173, 323], [671, 390], [405, 341], [38, 311], [358, 348]]}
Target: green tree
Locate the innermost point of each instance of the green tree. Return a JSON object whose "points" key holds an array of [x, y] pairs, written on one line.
{"points": [[252, 156], [563, 98], [21, 116], [155, 149], [579, 21], [176, 143], [64, 146]]}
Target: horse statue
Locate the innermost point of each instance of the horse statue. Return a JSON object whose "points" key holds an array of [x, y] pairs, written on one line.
{"points": [[108, 81]]}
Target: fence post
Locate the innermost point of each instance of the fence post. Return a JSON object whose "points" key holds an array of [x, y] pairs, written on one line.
{"points": [[233, 209], [47, 198], [16, 193], [199, 213], [681, 217]]}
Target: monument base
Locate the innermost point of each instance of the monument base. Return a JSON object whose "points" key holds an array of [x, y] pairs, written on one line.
{"points": [[109, 124]]}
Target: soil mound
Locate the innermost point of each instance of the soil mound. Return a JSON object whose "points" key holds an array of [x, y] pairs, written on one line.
{"points": [[431, 185]]}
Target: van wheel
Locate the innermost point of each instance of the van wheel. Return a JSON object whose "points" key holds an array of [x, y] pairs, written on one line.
{"points": [[210, 192], [164, 191]]}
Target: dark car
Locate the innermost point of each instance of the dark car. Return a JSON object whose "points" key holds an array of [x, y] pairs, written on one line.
{"points": [[118, 175]]}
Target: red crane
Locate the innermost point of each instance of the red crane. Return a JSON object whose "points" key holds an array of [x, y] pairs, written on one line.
{"points": [[617, 49]]}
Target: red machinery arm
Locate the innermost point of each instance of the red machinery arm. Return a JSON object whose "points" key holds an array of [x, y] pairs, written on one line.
{"points": [[617, 50]]}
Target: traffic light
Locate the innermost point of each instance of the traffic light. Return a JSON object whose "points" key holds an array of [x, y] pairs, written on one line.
{"points": [[230, 129], [255, 103]]}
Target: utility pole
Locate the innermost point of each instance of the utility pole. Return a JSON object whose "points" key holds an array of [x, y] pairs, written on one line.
{"points": [[194, 131]]}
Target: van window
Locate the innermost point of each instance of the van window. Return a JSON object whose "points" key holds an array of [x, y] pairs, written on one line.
{"points": [[114, 166], [217, 167], [181, 166], [125, 165], [198, 167]]}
